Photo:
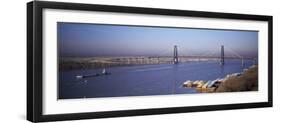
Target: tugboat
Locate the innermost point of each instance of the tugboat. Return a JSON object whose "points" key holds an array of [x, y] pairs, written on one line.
{"points": [[103, 73]]}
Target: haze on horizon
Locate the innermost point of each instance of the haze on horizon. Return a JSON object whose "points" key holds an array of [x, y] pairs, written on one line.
{"points": [[90, 40]]}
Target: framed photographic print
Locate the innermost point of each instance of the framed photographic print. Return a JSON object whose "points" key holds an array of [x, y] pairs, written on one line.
{"points": [[95, 61]]}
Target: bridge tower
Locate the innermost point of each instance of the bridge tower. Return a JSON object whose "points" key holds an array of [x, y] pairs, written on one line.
{"points": [[175, 59], [242, 61], [254, 61], [222, 55]]}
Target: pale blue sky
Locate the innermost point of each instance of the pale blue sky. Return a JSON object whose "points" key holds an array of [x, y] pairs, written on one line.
{"points": [[77, 39]]}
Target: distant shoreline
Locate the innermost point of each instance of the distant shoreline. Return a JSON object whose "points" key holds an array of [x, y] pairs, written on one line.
{"points": [[66, 64]]}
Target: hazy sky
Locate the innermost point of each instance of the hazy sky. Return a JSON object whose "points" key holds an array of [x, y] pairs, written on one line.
{"points": [[76, 39]]}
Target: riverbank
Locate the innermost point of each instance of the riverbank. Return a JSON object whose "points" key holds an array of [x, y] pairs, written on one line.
{"points": [[106, 62], [248, 81], [236, 82]]}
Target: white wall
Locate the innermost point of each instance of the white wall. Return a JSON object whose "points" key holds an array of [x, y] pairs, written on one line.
{"points": [[13, 60]]}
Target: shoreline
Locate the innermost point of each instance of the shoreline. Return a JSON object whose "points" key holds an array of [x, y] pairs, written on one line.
{"points": [[247, 80], [66, 64]]}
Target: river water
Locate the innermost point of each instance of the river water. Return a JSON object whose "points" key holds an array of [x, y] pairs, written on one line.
{"points": [[141, 80]]}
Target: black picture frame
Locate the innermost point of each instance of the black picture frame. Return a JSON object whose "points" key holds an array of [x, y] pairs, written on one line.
{"points": [[34, 60]]}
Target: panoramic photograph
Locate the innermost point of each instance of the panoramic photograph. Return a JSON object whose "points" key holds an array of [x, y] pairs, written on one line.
{"points": [[106, 60]]}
